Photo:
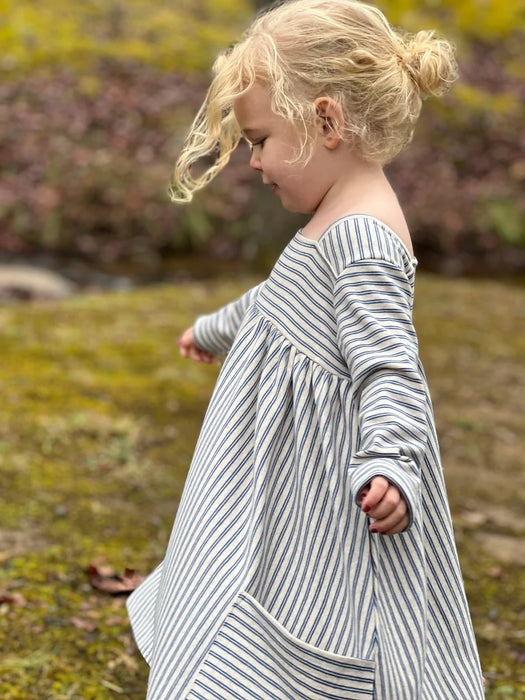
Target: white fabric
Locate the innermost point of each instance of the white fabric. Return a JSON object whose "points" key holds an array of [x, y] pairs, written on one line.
{"points": [[272, 586]]}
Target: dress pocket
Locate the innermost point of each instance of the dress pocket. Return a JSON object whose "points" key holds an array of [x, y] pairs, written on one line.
{"points": [[253, 657]]}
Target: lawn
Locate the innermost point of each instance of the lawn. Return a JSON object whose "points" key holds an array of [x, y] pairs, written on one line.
{"points": [[97, 427]]}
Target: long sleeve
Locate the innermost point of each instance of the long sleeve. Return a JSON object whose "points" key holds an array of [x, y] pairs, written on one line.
{"points": [[216, 332], [372, 301]]}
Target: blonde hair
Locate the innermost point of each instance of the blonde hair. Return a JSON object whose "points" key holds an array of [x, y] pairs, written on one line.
{"points": [[304, 49]]}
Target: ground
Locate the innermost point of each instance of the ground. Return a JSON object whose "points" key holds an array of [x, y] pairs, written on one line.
{"points": [[98, 422]]}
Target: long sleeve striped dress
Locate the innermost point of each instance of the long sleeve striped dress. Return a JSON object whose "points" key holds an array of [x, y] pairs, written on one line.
{"points": [[272, 587]]}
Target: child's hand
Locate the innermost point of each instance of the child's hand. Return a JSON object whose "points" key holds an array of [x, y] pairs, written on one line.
{"points": [[384, 502], [189, 349]]}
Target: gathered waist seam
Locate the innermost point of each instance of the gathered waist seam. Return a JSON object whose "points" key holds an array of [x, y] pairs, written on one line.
{"points": [[299, 347]]}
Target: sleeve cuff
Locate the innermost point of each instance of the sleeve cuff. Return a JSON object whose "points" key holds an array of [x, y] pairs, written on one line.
{"points": [[397, 473], [206, 336]]}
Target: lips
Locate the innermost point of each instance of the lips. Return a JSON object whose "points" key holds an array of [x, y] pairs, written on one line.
{"points": [[272, 185], [269, 183]]}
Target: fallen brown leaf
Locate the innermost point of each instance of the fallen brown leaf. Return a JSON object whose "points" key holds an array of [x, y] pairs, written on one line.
{"points": [[12, 599], [81, 624], [496, 572], [115, 621]]}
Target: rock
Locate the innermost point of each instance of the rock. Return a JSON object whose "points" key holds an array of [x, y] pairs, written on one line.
{"points": [[24, 282]]}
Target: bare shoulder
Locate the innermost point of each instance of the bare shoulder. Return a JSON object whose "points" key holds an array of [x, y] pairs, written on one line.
{"points": [[395, 221], [388, 210], [398, 224], [381, 203], [378, 201]]}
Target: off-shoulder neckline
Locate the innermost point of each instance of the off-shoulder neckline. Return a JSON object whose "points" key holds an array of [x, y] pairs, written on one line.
{"points": [[391, 233]]}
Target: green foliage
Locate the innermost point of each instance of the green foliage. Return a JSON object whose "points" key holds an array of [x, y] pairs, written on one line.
{"points": [[506, 219], [180, 36], [102, 93], [487, 20], [505, 692], [185, 35]]}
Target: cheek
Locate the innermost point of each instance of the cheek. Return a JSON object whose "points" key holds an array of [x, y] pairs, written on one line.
{"points": [[277, 156]]}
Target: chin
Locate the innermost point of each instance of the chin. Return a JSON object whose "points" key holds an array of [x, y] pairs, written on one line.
{"points": [[298, 208]]}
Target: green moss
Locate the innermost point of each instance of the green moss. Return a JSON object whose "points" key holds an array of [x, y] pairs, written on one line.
{"points": [[99, 421], [97, 428], [473, 346]]}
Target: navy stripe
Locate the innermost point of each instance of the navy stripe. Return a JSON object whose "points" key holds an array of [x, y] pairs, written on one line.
{"points": [[272, 586]]}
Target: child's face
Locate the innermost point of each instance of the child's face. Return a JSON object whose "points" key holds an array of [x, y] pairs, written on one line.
{"points": [[275, 142]]}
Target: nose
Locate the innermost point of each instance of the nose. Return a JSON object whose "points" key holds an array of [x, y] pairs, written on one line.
{"points": [[255, 161]]}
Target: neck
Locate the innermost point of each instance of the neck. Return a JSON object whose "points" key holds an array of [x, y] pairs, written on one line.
{"points": [[352, 189]]}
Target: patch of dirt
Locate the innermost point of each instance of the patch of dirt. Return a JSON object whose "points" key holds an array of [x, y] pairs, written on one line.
{"points": [[493, 515], [505, 548]]}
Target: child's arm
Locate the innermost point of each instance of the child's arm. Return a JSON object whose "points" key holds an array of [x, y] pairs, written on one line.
{"points": [[372, 302], [213, 334]]}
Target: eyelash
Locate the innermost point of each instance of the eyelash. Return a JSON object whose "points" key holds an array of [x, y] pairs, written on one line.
{"points": [[258, 143]]}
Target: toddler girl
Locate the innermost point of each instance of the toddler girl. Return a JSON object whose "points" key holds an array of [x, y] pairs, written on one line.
{"points": [[312, 556]]}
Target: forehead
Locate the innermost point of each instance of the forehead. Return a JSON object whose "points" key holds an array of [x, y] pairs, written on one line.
{"points": [[253, 107]]}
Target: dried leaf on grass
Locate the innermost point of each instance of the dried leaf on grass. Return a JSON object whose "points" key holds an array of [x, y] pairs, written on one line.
{"points": [[115, 584], [12, 599], [81, 624]]}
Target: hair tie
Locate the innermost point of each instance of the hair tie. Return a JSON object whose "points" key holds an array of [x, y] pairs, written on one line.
{"points": [[405, 60]]}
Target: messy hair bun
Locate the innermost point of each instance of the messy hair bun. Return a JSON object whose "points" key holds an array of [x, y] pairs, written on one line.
{"points": [[304, 49], [429, 62]]}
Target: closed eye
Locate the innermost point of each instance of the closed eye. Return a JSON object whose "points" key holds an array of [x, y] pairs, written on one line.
{"points": [[260, 143]]}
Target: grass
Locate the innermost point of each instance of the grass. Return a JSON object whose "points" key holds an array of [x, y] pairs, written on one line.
{"points": [[97, 427]]}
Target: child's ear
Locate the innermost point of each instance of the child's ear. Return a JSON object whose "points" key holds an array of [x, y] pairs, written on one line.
{"points": [[330, 120]]}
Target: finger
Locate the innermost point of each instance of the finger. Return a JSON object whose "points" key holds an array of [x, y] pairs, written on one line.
{"points": [[363, 493], [187, 336], [377, 489], [393, 521], [401, 527], [387, 504], [195, 353]]}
